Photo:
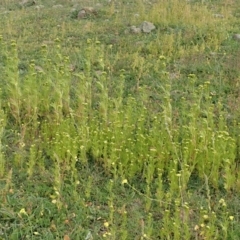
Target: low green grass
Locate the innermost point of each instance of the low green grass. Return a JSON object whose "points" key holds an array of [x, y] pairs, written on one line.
{"points": [[111, 135]]}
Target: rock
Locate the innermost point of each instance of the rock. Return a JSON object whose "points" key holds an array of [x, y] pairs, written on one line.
{"points": [[90, 10], [81, 14], [236, 36], [27, 3], [85, 12], [147, 27], [39, 69], [217, 15], [134, 29], [58, 6], [38, 7]]}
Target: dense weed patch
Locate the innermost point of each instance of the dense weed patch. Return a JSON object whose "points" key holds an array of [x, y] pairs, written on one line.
{"points": [[135, 137]]}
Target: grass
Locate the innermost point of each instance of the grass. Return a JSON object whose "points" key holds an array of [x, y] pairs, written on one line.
{"points": [[111, 135]]}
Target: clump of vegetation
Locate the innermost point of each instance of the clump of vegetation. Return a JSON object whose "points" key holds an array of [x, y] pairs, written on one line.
{"points": [[111, 135]]}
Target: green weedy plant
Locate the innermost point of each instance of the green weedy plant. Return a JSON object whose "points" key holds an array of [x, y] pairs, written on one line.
{"points": [[2, 155], [12, 81], [3, 122], [167, 150], [124, 136]]}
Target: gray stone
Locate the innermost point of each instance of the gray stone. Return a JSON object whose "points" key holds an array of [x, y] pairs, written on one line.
{"points": [[39, 69], [147, 27], [90, 10], [39, 7], [27, 3], [81, 14], [58, 6], [236, 36], [217, 15], [86, 11], [134, 29]]}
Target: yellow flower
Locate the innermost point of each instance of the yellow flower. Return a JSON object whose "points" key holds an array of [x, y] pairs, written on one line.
{"points": [[221, 201], [124, 182], [191, 75], [106, 224], [205, 217], [23, 211], [196, 227], [161, 57], [231, 218]]}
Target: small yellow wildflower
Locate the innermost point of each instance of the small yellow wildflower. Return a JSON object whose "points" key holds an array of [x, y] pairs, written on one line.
{"points": [[124, 182], [191, 75], [205, 217], [196, 228], [161, 57], [106, 224], [222, 202], [23, 211]]}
